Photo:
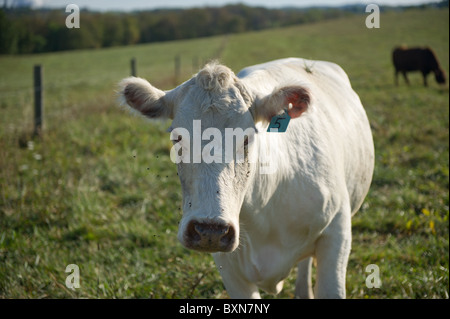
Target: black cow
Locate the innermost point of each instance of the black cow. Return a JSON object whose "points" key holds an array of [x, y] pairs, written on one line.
{"points": [[417, 59]]}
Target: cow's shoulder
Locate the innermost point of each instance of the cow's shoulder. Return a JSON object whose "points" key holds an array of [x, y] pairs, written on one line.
{"points": [[298, 69]]}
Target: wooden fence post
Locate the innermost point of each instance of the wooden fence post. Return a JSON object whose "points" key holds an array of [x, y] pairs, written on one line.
{"points": [[38, 98], [133, 67]]}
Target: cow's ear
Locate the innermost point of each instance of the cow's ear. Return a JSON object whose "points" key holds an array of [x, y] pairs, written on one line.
{"points": [[141, 96], [295, 99]]}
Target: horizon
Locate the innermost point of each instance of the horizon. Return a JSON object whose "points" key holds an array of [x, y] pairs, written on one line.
{"points": [[136, 5]]}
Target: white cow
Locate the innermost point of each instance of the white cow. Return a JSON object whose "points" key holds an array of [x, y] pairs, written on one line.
{"points": [[259, 225]]}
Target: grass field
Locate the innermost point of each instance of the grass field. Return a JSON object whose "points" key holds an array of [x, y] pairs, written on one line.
{"points": [[98, 189]]}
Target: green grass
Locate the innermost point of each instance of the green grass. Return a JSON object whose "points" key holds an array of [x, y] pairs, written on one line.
{"points": [[98, 189]]}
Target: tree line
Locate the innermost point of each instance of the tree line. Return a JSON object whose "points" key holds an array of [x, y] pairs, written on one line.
{"points": [[35, 31], [24, 31]]}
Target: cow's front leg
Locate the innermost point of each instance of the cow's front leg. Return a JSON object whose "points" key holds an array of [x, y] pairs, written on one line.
{"points": [[303, 284], [406, 77], [236, 285], [332, 252]]}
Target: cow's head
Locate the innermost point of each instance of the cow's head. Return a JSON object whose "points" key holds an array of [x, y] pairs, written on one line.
{"points": [[205, 111], [439, 75]]}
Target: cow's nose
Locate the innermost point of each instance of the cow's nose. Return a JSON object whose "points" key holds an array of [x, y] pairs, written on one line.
{"points": [[209, 236]]}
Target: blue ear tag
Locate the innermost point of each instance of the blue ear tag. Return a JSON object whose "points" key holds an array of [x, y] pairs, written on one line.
{"points": [[279, 123]]}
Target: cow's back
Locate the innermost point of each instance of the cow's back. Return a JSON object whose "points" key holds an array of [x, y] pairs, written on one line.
{"points": [[407, 59]]}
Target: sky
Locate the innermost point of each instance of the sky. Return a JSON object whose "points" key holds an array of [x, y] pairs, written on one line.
{"points": [[130, 5]]}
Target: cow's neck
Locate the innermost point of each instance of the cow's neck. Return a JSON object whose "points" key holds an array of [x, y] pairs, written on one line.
{"points": [[268, 171]]}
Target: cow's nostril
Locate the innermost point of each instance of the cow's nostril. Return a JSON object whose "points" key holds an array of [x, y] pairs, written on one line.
{"points": [[209, 236], [192, 233], [204, 229], [228, 237]]}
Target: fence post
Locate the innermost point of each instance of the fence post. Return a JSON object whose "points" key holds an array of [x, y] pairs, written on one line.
{"points": [[133, 67], [38, 98]]}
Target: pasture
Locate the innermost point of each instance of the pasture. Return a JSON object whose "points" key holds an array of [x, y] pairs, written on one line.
{"points": [[98, 188]]}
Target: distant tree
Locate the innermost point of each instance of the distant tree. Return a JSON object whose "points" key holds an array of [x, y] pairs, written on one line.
{"points": [[195, 23], [131, 33], [167, 29], [29, 31], [7, 38], [230, 21], [92, 25], [443, 4], [113, 30], [56, 37]]}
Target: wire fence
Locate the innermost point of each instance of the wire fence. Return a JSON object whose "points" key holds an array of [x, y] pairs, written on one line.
{"points": [[60, 96], [28, 109], [47, 101]]}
